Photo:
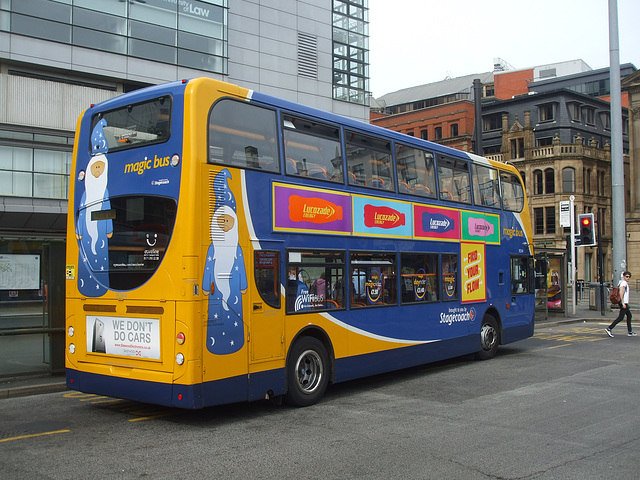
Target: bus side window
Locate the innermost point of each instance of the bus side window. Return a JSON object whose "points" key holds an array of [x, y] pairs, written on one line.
{"points": [[315, 280], [512, 192], [243, 135], [267, 276], [415, 171], [449, 277], [373, 279], [369, 161], [312, 149], [486, 187], [521, 276], [419, 277], [453, 176]]}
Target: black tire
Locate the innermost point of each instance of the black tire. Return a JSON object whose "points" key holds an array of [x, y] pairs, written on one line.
{"points": [[307, 372], [489, 338]]}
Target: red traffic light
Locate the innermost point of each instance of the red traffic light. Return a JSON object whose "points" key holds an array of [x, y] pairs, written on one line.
{"points": [[586, 221]]}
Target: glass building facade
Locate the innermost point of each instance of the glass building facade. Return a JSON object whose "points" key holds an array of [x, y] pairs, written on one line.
{"points": [[59, 56], [186, 33], [351, 51]]}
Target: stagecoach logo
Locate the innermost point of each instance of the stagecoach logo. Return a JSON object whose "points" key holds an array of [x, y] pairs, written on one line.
{"points": [[436, 222], [457, 315]]}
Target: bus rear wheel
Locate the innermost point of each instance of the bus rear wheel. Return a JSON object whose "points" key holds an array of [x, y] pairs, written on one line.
{"points": [[489, 338], [307, 372]]}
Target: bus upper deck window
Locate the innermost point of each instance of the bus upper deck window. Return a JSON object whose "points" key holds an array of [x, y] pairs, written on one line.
{"points": [[312, 149], [369, 162], [512, 192], [243, 135], [416, 172]]}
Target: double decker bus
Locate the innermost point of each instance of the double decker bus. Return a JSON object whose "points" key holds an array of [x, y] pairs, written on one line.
{"points": [[226, 246]]}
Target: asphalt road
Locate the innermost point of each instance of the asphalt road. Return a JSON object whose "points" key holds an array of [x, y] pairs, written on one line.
{"points": [[561, 405]]}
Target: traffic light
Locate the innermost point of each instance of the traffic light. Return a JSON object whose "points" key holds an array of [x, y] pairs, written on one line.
{"points": [[587, 230]]}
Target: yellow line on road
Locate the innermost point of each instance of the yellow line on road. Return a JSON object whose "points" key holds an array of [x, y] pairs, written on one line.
{"points": [[151, 417], [33, 435]]}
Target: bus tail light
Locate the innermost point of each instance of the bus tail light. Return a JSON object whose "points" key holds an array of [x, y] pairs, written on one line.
{"points": [[179, 359], [175, 160], [180, 338]]}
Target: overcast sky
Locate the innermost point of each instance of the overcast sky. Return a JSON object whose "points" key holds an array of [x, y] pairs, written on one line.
{"points": [[413, 42]]}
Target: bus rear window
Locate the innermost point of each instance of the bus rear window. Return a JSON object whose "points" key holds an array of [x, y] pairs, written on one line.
{"points": [[137, 230], [133, 126]]}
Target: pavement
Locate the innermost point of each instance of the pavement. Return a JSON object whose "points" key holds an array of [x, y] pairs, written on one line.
{"points": [[25, 385]]}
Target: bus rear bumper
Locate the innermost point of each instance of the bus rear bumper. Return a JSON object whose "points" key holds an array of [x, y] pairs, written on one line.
{"points": [[167, 394]]}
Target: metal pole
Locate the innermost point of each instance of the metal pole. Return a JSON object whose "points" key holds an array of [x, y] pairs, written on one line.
{"points": [[572, 274], [477, 131], [617, 165], [600, 266]]}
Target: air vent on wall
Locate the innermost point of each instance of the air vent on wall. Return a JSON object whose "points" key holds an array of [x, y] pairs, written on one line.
{"points": [[307, 55]]}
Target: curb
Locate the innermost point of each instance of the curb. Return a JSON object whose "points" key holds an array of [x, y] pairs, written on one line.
{"points": [[34, 389]]}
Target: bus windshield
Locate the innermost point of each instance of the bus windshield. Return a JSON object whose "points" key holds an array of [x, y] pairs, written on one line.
{"points": [[135, 125]]}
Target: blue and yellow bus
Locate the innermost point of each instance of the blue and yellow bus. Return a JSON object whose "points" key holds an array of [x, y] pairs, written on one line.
{"points": [[226, 246]]}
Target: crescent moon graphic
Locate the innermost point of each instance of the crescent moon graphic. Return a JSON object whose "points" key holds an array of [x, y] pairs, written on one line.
{"points": [[229, 194], [236, 302], [213, 341], [81, 283], [102, 246]]}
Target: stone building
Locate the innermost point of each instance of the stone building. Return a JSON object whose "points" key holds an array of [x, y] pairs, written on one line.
{"points": [[631, 84]]}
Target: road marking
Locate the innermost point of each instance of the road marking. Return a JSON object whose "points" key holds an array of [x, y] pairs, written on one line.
{"points": [[34, 435]]}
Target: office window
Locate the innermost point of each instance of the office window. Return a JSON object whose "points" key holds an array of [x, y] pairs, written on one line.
{"points": [[568, 180], [538, 217], [589, 116], [424, 134], [546, 112], [517, 148], [574, 111], [454, 130], [491, 122], [550, 217], [538, 185], [549, 181], [437, 133]]}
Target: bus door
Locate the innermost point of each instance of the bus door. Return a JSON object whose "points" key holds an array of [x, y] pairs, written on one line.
{"points": [[522, 289], [266, 326]]}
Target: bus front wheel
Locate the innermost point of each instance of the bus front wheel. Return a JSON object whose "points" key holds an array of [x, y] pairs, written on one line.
{"points": [[307, 372], [489, 338]]}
